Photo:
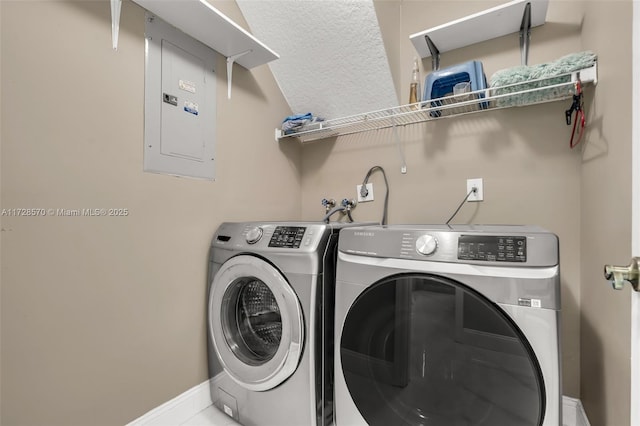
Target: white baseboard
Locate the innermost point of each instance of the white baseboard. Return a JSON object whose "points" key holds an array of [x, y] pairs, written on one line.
{"points": [[573, 412], [179, 409]]}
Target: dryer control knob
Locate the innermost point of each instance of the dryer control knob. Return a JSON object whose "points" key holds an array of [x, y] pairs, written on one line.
{"points": [[426, 244], [254, 235]]}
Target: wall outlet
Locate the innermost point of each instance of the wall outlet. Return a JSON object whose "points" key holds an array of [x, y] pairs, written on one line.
{"points": [[369, 196], [479, 194]]}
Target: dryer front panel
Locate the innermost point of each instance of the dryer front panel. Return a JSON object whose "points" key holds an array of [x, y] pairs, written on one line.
{"points": [[422, 349], [255, 322]]}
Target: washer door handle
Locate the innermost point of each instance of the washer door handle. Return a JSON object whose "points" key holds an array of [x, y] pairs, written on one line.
{"points": [[618, 275]]}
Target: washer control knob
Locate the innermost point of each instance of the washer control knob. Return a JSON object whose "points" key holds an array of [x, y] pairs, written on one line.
{"points": [[426, 244], [253, 235]]}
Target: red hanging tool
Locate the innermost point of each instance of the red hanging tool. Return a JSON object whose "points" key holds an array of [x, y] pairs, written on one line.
{"points": [[578, 107]]}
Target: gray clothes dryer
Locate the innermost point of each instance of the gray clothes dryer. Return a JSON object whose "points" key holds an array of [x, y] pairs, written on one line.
{"points": [[447, 325], [270, 322]]}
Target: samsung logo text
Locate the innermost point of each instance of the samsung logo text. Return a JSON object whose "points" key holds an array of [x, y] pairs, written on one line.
{"points": [[364, 234]]}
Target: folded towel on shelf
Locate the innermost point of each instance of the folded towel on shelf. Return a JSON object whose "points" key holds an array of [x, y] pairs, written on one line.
{"points": [[519, 78], [294, 122]]}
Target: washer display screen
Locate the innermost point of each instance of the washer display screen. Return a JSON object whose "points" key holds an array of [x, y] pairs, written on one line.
{"points": [[287, 236]]}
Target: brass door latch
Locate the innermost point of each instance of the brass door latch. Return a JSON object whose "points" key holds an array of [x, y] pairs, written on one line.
{"points": [[618, 275]]}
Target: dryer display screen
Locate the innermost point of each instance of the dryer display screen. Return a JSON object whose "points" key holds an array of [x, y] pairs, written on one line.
{"points": [[492, 248], [287, 236]]}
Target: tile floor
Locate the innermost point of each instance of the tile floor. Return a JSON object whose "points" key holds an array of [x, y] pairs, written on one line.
{"points": [[210, 416]]}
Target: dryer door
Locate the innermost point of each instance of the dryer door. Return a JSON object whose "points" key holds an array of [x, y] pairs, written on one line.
{"points": [[419, 349], [256, 323]]}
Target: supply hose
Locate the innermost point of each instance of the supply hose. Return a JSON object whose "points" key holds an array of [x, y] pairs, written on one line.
{"points": [[333, 211]]}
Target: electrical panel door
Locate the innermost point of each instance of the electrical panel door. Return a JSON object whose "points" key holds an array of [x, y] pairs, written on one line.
{"points": [[179, 103]]}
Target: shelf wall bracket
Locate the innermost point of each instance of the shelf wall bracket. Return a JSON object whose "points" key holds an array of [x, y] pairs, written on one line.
{"points": [[230, 60], [435, 53], [116, 6], [403, 166], [525, 34]]}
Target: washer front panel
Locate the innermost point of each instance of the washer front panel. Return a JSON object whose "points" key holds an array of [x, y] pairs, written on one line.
{"points": [[256, 323]]}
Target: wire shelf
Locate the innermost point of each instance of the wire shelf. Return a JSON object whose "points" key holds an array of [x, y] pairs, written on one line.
{"points": [[526, 93]]}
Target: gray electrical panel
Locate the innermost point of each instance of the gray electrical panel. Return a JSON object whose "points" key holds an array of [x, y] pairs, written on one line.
{"points": [[180, 100]]}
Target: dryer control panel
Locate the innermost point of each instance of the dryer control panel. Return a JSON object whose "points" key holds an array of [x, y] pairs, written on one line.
{"points": [[489, 245], [492, 248]]}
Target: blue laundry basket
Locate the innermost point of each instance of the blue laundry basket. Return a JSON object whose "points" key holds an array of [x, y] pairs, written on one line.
{"points": [[440, 83]]}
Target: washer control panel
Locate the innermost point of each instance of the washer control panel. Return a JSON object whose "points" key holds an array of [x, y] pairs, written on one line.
{"points": [[492, 248], [287, 236]]}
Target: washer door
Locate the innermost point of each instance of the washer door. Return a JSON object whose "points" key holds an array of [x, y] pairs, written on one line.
{"points": [[419, 349], [256, 323]]}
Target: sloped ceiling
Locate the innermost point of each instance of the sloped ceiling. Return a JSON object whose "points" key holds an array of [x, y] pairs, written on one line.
{"points": [[332, 58]]}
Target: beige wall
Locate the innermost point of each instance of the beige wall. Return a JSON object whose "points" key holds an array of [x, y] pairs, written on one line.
{"points": [[606, 217], [103, 318], [531, 176]]}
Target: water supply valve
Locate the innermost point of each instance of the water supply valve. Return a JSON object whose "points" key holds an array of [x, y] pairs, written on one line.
{"points": [[348, 204], [328, 204]]}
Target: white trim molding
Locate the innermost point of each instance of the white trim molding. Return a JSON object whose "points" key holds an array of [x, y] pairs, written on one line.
{"points": [[179, 409], [635, 212], [573, 413], [635, 128]]}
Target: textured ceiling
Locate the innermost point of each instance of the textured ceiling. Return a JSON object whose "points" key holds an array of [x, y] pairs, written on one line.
{"points": [[332, 59]]}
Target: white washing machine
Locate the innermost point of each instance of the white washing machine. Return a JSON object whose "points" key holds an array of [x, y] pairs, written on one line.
{"points": [[447, 326], [270, 322]]}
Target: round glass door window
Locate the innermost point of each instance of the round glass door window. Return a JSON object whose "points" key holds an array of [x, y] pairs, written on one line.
{"points": [[255, 323], [252, 322], [425, 350]]}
